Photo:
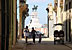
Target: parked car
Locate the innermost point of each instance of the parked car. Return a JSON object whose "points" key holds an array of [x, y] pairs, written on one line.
{"points": [[38, 33]]}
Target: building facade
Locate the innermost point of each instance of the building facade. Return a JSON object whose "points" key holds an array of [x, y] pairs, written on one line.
{"points": [[67, 20], [58, 8], [7, 24], [34, 22], [23, 14], [50, 21], [63, 9]]}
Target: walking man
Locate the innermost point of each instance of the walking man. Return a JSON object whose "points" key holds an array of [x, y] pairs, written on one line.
{"points": [[33, 34]]}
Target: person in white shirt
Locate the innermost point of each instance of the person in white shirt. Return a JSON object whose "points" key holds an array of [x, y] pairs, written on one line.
{"points": [[26, 33]]}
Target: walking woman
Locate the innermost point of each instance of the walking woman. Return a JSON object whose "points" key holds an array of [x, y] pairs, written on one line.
{"points": [[26, 33]]}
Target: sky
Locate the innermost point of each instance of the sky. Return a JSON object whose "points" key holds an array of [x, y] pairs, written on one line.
{"points": [[42, 13]]}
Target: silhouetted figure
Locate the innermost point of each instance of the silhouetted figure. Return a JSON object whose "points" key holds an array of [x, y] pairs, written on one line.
{"points": [[26, 33], [39, 38], [33, 34], [35, 8]]}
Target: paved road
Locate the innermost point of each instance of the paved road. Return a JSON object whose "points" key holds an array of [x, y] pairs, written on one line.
{"points": [[45, 45]]}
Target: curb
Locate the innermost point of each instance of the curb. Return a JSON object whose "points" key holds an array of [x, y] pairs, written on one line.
{"points": [[68, 46]]}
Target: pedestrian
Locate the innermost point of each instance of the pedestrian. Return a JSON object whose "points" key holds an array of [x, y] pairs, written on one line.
{"points": [[26, 34], [33, 34], [39, 38]]}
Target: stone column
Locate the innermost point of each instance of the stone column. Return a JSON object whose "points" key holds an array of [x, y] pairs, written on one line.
{"points": [[59, 15], [14, 21], [51, 23], [59, 12], [23, 9], [20, 24], [51, 29], [10, 24]]}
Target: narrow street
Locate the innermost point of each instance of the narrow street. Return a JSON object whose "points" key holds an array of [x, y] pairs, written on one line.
{"points": [[35, 24], [45, 45]]}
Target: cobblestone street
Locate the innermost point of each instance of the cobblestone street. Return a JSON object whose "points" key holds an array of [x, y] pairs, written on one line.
{"points": [[45, 45]]}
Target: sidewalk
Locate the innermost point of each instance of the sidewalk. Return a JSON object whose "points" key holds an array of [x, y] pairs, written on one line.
{"points": [[46, 44], [21, 45], [43, 41], [68, 45]]}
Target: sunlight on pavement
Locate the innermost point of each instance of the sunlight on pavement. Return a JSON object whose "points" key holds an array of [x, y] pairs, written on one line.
{"points": [[37, 39]]}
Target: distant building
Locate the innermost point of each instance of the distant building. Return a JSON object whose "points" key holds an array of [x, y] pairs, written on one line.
{"points": [[44, 26], [34, 22]]}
